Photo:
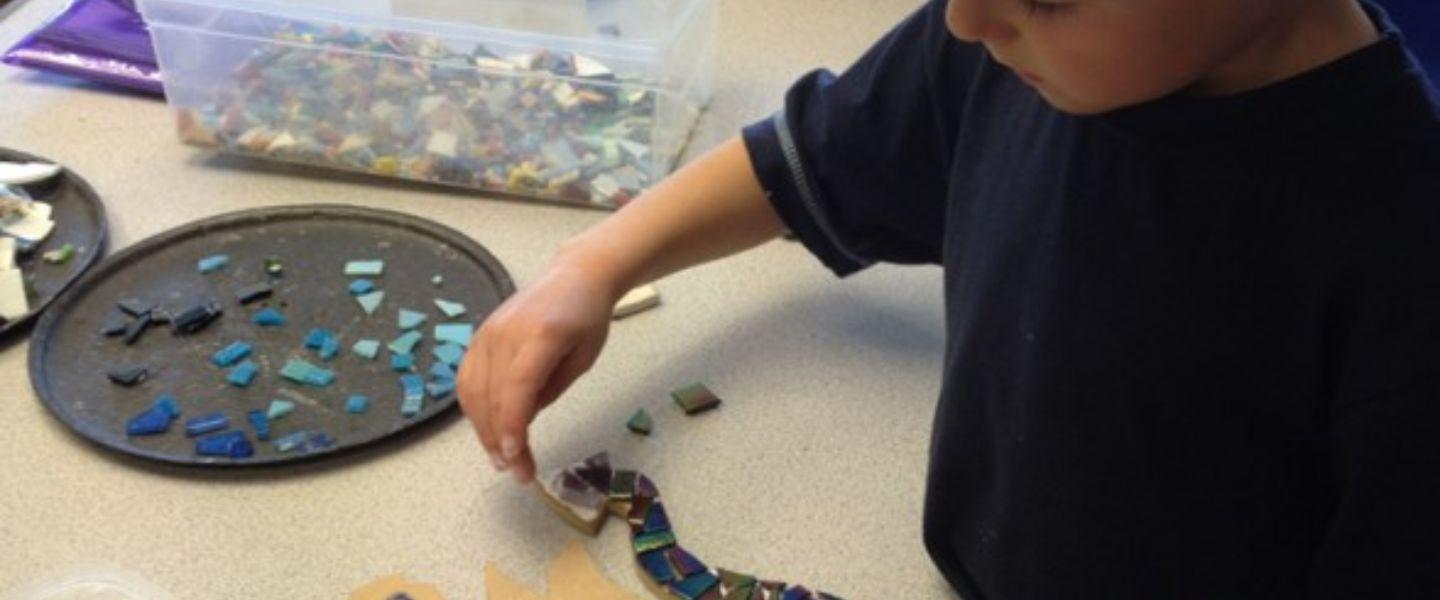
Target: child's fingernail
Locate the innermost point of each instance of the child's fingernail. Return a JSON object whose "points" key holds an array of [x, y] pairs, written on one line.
{"points": [[498, 462], [510, 447]]}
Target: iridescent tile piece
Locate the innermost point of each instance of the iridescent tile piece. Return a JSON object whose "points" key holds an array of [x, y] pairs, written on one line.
{"points": [[696, 586], [596, 471], [796, 593], [647, 542], [684, 562], [736, 586], [656, 519], [622, 485], [640, 422], [645, 488], [639, 510], [695, 398], [657, 567]]}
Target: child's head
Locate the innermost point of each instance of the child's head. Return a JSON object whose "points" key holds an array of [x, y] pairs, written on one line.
{"points": [[1091, 56]]}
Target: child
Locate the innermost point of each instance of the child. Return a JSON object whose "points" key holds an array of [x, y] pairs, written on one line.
{"points": [[1191, 252]]}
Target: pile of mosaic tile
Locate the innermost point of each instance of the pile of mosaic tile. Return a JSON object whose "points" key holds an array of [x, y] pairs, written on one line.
{"points": [[587, 492], [135, 316], [541, 124]]}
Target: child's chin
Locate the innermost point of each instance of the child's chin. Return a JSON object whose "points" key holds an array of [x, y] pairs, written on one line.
{"points": [[1078, 107]]}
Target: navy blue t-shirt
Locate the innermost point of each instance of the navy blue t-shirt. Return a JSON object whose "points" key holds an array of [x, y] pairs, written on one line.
{"points": [[1193, 346]]}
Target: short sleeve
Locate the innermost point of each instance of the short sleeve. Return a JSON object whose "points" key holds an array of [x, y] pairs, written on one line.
{"points": [[857, 165]]}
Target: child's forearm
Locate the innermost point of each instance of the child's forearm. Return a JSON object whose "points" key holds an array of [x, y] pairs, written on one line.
{"points": [[711, 208]]}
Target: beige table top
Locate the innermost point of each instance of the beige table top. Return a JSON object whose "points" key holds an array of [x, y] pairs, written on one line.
{"points": [[812, 471]]}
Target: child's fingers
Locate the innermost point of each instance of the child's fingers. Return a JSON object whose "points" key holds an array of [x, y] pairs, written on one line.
{"points": [[525, 376], [472, 387]]}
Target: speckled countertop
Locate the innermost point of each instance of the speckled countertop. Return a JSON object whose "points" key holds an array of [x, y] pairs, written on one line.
{"points": [[812, 471]]}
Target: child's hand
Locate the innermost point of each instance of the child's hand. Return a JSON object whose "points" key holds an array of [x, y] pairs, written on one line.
{"points": [[527, 353]]}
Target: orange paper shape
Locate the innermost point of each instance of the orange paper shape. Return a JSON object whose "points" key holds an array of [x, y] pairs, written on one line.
{"points": [[386, 588], [573, 576]]}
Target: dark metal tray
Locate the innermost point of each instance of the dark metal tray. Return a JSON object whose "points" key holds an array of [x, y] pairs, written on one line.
{"points": [[69, 356], [79, 220]]}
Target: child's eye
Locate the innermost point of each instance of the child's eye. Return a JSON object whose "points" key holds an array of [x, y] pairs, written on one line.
{"points": [[1041, 8]]}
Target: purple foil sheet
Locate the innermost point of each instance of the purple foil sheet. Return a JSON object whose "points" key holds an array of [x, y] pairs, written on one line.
{"points": [[100, 40]]}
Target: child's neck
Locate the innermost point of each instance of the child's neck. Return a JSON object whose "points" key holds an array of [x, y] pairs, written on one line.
{"points": [[1310, 34]]}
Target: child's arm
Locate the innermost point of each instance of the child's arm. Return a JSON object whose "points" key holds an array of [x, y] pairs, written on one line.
{"points": [[540, 340]]}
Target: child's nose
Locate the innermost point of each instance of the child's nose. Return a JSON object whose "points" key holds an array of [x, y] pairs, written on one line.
{"points": [[977, 21]]}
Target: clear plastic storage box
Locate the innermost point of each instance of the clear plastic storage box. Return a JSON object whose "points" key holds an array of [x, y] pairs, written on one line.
{"points": [[585, 101]]}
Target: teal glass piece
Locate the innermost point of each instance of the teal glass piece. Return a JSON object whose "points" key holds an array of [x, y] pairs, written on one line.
{"points": [[365, 268], [366, 348], [243, 374], [454, 333], [371, 302], [405, 344], [357, 404], [451, 309], [279, 408], [409, 319], [211, 264], [231, 354], [450, 354]]}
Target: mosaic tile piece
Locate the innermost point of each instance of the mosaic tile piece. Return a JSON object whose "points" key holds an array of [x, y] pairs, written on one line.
{"points": [[450, 354], [254, 293], [371, 302], [405, 344], [647, 542], [260, 423], [128, 376], [645, 488], [409, 319], [656, 519], [695, 398], [303, 372], [231, 444], [402, 362], [695, 586], [360, 287], [449, 308], [365, 268], [622, 485], [684, 562], [231, 354], [279, 408], [357, 404], [292, 441], [268, 318], [454, 333], [366, 348], [442, 372], [210, 264], [205, 424], [317, 337], [657, 566], [243, 374], [640, 422]]}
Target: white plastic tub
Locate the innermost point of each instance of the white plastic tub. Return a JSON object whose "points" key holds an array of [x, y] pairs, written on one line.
{"points": [[586, 101]]}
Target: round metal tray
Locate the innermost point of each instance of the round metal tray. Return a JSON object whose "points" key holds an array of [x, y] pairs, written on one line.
{"points": [[79, 220], [70, 357]]}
